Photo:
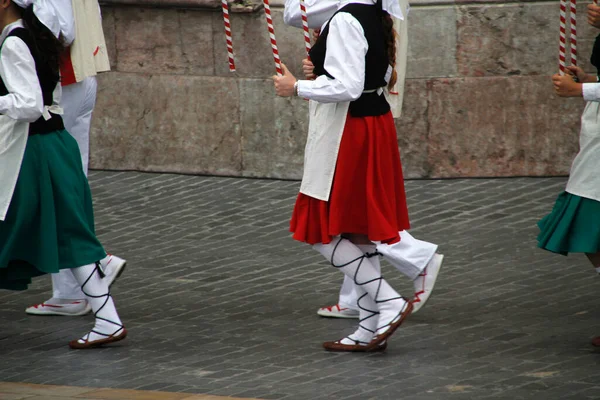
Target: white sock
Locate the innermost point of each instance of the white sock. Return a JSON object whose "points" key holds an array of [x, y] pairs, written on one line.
{"points": [[96, 290], [597, 270]]}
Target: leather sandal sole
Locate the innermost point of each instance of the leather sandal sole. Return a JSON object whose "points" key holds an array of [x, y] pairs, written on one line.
{"points": [[350, 348], [74, 344]]}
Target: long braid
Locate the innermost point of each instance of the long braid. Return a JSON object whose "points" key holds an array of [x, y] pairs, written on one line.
{"points": [[390, 39], [48, 46]]}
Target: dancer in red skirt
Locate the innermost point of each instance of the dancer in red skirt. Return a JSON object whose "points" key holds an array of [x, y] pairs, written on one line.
{"points": [[352, 191]]}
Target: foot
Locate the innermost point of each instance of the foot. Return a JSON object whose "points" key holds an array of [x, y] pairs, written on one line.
{"points": [[596, 341], [95, 339], [70, 308], [387, 326], [426, 281], [113, 267], [337, 311], [348, 344]]}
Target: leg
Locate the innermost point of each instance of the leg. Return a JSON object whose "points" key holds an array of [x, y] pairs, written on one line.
{"points": [[346, 306], [595, 260], [418, 260], [392, 308], [78, 101], [108, 327], [67, 298]]}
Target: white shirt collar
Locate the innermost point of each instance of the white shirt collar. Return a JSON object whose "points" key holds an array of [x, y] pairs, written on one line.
{"points": [[9, 28]]}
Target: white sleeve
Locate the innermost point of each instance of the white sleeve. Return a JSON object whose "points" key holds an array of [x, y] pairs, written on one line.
{"points": [[317, 12], [64, 13], [24, 101], [344, 61], [591, 91]]}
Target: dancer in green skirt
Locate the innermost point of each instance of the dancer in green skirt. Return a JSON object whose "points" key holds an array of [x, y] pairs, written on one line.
{"points": [[573, 226], [46, 215]]}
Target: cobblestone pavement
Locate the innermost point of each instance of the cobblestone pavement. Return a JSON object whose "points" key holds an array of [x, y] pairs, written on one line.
{"points": [[219, 300]]}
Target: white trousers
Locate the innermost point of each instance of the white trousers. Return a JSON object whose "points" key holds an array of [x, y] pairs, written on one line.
{"points": [[410, 255], [78, 101]]}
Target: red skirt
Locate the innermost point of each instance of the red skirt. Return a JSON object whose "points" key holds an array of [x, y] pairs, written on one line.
{"points": [[367, 196]]}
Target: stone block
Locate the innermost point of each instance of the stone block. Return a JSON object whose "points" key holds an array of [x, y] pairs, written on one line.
{"points": [[507, 39], [109, 28], [167, 123], [500, 126], [412, 129], [274, 131], [164, 41], [431, 42], [252, 48]]}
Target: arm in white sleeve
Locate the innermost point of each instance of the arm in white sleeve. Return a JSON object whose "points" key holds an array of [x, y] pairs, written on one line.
{"points": [[591, 91], [24, 101], [317, 12], [64, 13], [344, 61]]}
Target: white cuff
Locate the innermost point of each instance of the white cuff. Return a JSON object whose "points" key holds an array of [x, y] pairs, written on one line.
{"points": [[303, 88], [591, 91]]}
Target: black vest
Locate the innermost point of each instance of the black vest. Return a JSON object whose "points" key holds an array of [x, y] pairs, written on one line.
{"points": [[595, 59], [376, 59], [48, 83]]}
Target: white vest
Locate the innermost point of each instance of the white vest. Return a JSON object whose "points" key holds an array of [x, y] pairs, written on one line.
{"points": [[89, 54]]}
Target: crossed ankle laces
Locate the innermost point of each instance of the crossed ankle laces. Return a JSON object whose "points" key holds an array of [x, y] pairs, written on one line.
{"points": [[107, 297], [373, 313]]}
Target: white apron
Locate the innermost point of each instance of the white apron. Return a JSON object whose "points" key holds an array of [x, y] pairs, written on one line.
{"points": [[325, 128], [584, 178], [13, 139]]}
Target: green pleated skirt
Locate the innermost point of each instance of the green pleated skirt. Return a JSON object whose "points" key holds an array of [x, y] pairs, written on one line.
{"points": [[573, 226], [50, 221]]}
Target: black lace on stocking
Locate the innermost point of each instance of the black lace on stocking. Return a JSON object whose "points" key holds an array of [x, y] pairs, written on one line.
{"points": [[106, 298], [372, 313]]}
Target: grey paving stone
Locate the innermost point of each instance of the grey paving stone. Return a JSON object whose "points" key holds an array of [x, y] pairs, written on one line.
{"points": [[219, 299]]}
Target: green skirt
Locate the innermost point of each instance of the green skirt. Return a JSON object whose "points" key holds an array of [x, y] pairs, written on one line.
{"points": [[573, 226], [50, 222]]}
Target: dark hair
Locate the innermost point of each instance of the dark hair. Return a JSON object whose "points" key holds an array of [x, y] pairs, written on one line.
{"points": [[390, 39], [46, 44]]}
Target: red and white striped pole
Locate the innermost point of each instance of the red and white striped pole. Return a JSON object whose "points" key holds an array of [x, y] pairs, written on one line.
{"points": [[573, 15], [305, 26], [225, 7], [563, 37], [272, 37]]}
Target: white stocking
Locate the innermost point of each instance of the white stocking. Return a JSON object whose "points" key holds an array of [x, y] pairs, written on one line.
{"points": [[351, 260], [96, 290]]}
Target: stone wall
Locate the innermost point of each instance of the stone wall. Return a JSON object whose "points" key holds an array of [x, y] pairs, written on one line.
{"points": [[478, 101]]}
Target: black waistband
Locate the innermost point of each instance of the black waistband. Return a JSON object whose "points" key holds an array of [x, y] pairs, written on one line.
{"points": [[42, 126], [369, 105]]}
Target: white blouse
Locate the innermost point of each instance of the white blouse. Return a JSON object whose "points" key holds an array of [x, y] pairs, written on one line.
{"points": [[64, 12], [346, 50], [24, 101], [591, 91]]}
